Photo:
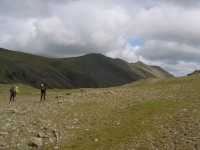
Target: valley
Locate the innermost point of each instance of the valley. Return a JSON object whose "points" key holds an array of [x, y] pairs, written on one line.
{"points": [[147, 114]]}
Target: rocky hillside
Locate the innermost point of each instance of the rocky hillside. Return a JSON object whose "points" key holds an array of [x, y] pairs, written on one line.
{"points": [[92, 70], [145, 115], [151, 71]]}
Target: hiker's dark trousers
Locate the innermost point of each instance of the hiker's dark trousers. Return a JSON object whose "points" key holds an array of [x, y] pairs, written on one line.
{"points": [[43, 94], [12, 96]]}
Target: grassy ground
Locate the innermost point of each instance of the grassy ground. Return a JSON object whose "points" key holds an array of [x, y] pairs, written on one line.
{"points": [[149, 114]]}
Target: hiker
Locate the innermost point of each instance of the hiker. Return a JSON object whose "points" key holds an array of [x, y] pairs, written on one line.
{"points": [[43, 89], [12, 94], [16, 91]]}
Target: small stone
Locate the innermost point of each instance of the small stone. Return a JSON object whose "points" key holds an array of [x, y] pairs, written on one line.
{"points": [[51, 140], [55, 134], [14, 110], [36, 141], [3, 133], [185, 110], [56, 147], [15, 134], [8, 120], [8, 124], [40, 134], [58, 96]]}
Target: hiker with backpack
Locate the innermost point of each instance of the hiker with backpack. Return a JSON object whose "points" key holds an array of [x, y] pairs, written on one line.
{"points": [[43, 90], [12, 94]]}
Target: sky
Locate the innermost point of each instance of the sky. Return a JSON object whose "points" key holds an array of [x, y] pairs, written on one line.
{"points": [[165, 33]]}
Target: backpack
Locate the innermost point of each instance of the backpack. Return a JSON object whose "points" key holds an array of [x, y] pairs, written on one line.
{"points": [[12, 90]]}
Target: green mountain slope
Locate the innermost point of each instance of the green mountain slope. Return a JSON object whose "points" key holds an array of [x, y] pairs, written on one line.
{"points": [[92, 70]]}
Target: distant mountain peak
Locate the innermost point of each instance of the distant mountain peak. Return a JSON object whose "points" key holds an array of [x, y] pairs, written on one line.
{"points": [[139, 62]]}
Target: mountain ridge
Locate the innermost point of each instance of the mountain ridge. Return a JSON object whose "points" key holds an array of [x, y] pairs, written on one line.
{"points": [[89, 71]]}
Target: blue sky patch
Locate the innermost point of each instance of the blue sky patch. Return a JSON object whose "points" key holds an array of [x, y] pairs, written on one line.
{"points": [[134, 42]]}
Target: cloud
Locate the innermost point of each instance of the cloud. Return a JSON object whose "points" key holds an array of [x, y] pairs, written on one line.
{"points": [[169, 51], [177, 3], [168, 24], [165, 32], [30, 8], [185, 3], [68, 32]]}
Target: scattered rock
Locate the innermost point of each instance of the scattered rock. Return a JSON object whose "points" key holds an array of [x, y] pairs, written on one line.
{"points": [[51, 140], [36, 141], [58, 96], [40, 134], [13, 111], [3, 133], [56, 147], [56, 134]]}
